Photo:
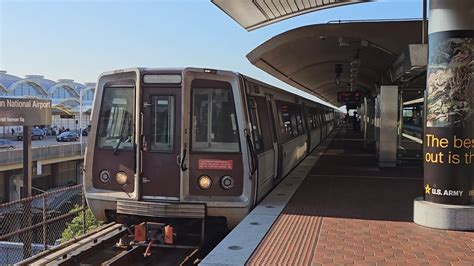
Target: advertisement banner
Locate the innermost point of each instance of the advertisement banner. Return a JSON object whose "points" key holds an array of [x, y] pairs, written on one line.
{"points": [[449, 138]]}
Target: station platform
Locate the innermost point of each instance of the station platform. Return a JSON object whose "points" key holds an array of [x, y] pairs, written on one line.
{"points": [[346, 210]]}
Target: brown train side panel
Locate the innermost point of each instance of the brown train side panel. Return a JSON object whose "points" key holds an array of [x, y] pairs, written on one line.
{"points": [[104, 159], [237, 169], [216, 190]]}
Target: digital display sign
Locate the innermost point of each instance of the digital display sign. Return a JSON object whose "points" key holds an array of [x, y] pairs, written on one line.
{"points": [[162, 78], [349, 96]]}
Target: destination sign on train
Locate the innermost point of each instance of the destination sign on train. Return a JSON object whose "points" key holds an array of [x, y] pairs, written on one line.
{"points": [[162, 78], [18, 112], [348, 96]]}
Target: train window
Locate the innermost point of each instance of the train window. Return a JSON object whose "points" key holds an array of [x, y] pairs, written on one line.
{"points": [[311, 119], [116, 118], [291, 123], [162, 123], [214, 121], [301, 120], [256, 128], [285, 122], [294, 122]]}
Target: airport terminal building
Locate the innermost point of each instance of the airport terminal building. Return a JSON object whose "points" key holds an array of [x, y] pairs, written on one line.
{"points": [[54, 164], [65, 95]]}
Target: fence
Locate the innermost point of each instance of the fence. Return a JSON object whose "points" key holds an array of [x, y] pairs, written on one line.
{"points": [[41, 153], [31, 225]]}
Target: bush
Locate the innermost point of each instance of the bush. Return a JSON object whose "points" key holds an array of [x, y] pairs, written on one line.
{"points": [[75, 227]]}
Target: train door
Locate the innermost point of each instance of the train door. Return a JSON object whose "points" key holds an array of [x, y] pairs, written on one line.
{"points": [[321, 122], [263, 139], [325, 122], [306, 115], [271, 114], [161, 142]]}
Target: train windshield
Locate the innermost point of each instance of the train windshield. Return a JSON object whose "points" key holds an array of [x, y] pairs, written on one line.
{"points": [[116, 119], [214, 121]]}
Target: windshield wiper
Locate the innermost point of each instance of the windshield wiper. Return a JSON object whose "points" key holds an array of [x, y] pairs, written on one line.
{"points": [[122, 139], [125, 135]]}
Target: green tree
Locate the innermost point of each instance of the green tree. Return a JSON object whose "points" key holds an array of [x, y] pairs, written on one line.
{"points": [[75, 227]]}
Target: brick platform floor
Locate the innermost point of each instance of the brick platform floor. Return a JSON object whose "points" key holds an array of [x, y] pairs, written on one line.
{"points": [[350, 211]]}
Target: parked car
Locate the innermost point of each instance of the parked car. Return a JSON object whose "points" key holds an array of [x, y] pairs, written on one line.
{"points": [[67, 136], [37, 133], [6, 144], [86, 131]]}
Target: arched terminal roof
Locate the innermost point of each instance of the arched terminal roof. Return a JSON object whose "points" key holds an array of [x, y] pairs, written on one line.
{"points": [[37, 86], [306, 57], [68, 86], [70, 82], [38, 82], [6, 80], [253, 14]]}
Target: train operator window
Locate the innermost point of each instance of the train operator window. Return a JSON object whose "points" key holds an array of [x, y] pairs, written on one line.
{"points": [[214, 124], [162, 123], [116, 118]]}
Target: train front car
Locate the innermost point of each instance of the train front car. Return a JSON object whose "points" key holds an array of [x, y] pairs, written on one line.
{"points": [[111, 157], [168, 145]]}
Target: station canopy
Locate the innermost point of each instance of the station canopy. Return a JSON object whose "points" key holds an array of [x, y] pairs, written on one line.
{"points": [[307, 57], [253, 14]]}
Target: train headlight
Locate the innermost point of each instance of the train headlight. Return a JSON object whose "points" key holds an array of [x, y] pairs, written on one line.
{"points": [[227, 182], [204, 182], [104, 176], [121, 178]]}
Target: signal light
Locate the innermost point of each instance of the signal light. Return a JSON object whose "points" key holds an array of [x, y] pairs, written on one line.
{"points": [[121, 178], [227, 182], [104, 176], [204, 182]]}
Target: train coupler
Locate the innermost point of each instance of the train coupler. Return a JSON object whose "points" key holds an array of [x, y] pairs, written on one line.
{"points": [[157, 232]]}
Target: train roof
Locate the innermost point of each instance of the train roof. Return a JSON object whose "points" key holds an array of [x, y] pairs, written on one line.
{"points": [[182, 69]]}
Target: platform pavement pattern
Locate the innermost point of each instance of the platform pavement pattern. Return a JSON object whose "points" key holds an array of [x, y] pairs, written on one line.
{"points": [[349, 211]]}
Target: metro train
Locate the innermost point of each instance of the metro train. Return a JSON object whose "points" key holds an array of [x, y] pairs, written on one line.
{"points": [[180, 143]]}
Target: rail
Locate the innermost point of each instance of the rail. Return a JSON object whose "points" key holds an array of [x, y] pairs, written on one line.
{"points": [[77, 247], [111, 244]]}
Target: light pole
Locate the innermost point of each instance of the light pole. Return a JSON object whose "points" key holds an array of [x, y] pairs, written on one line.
{"points": [[81, 95]]}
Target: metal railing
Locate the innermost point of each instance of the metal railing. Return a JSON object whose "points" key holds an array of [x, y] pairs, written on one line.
{"points": [[31, 225], [41, 153]]}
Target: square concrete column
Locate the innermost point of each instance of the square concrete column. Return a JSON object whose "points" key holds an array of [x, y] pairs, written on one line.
{"points": [[387, 137]]}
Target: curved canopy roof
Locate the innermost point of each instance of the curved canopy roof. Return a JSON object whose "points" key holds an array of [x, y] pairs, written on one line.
{"points": [[306, 57], [70, 82], [69, 87], [6, 80], [253, 14]]}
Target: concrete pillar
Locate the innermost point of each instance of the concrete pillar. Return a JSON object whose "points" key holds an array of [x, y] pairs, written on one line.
{"points": [[368, 122], [449, 139], [387, 142]]}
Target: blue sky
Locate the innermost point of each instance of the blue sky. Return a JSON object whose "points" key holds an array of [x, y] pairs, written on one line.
{"points": [[80, 39]]}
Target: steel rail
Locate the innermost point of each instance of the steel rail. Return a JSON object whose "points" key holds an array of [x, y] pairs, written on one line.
{"points": [[73, 248]]}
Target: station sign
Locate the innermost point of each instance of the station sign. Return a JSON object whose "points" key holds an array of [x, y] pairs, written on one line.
{"points": [[349, 96], [24, 112]]}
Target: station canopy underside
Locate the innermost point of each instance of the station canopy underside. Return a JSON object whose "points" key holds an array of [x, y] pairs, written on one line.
{"points": [[253, 14], [306, 57]]}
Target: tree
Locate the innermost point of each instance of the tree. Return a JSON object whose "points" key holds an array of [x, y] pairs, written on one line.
{"points": [[75, 227]]}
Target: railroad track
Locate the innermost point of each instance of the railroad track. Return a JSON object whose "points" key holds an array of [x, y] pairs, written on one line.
{"points": [[110, 244]]}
